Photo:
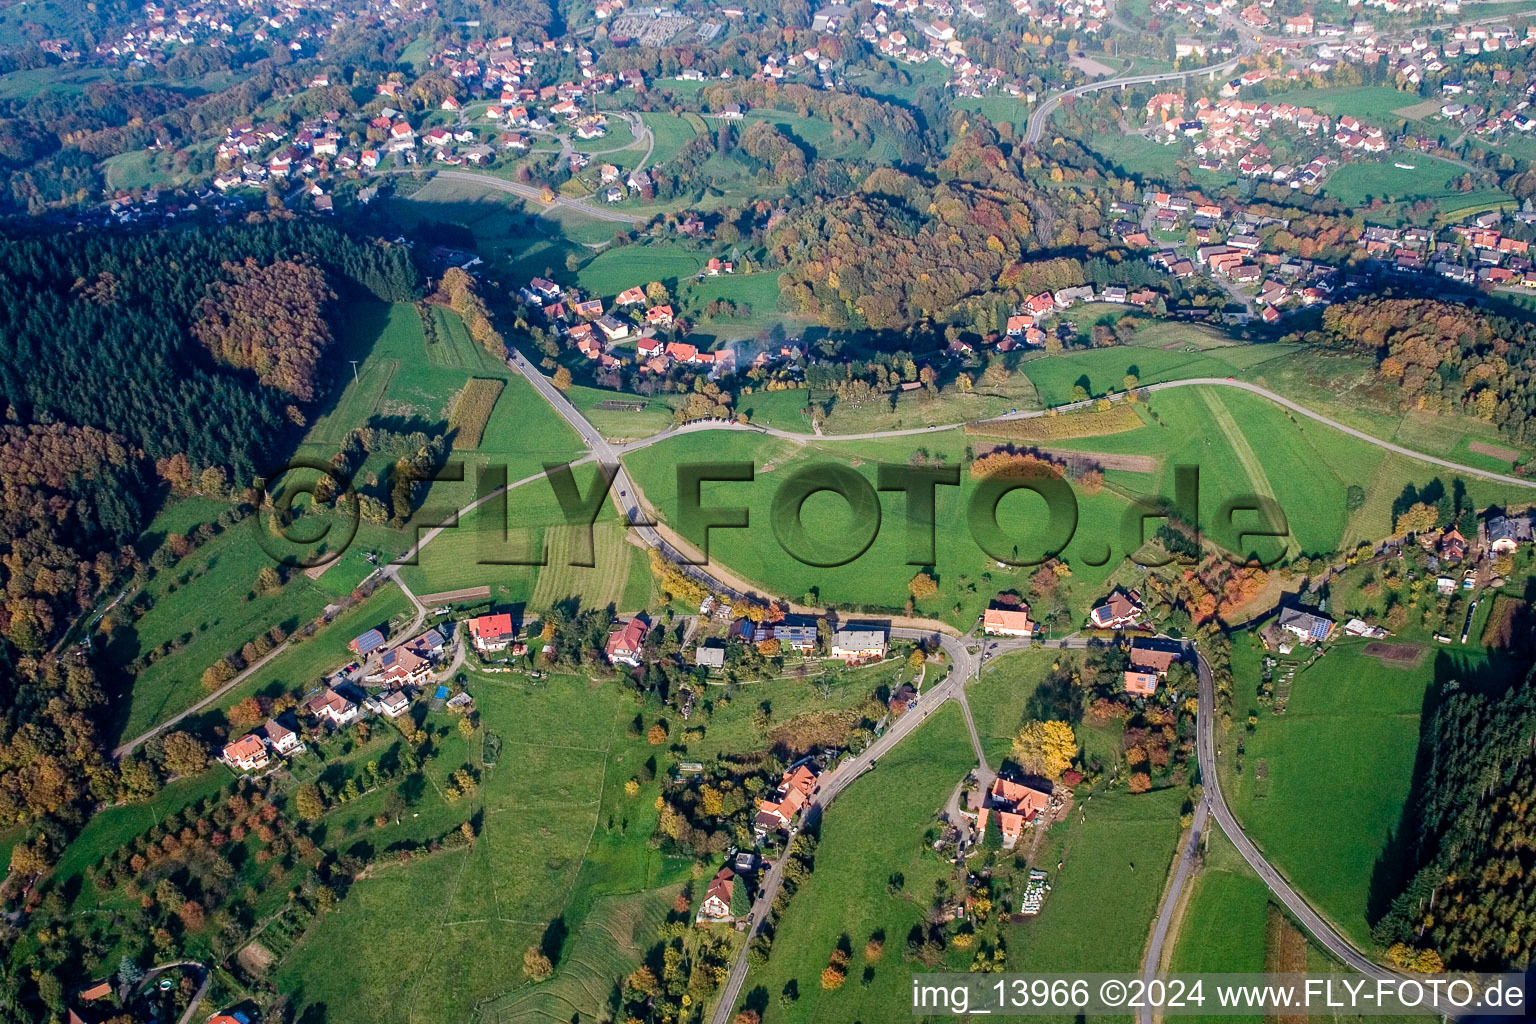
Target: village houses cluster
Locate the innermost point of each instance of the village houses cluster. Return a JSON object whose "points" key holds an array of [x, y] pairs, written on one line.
{"points": [[382, 681]]}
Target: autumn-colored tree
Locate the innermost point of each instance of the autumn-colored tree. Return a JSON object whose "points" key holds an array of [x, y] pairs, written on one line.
{"points": [[536, 965], [922, 585], [245, 715], [563, 379], [657, 735], [1140, 782], [874, 949], [217, 674], [268, 581], [1045, 748], [270, 320], [1418, 518], [308, 802], [182, 754]]}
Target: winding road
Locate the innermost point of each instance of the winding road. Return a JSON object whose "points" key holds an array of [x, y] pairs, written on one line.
{"points": [[522, 191], [1219, 382]]}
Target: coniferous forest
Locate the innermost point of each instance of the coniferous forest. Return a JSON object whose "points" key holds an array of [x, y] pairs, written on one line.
{"points": [[121, 355], [1468, 835]]}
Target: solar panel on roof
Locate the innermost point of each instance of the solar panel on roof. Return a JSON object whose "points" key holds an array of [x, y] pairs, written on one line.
{"points": [[369, 641]]}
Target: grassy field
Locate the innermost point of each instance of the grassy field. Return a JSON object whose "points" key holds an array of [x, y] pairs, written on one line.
{"points": [[1000, 700], [671, 133], [1336, 770], [1115, 859], [207, 600], [866, 837], [560, 841], [1373, 102], [655, 417], [879, 576], [614, 270], [1224, 920], [405, 384], [1360, 181]]}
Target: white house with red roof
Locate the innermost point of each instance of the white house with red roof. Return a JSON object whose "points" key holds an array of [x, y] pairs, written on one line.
{"points": [[491, 633], [626, 643], [247, 754]]}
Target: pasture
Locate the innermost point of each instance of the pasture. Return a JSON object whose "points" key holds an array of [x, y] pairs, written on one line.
{"points": [[670, 134], [560, 860], [616, 269], [622, 414], [878, 577], [1376, 103], [1115, 854], [1004, 697], [205, 605], [1322, 787], [1223, 926]]}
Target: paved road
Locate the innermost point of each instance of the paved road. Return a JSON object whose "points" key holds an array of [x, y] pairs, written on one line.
{"points": [[1321, 931], [1042, 113], [963, 666], [1181, 876], [517, 188], [1220, 382]]}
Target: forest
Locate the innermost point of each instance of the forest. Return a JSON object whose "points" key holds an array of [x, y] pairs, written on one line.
{"points": [[1444, 357], [903, 249], [1467, 837]]}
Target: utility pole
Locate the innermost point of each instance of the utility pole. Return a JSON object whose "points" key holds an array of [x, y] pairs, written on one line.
{"points": [[354, 370]]}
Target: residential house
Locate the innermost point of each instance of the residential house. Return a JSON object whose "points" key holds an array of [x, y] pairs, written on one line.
{"points": [[709, 657], [1453, 546], [1140, 683], [613, 329], [859, 643], [1007, 622], [1155, 654], [626, 642], [1309, 626], [794, 792], [491, 633], [279, 737], [717, 897], [1122, 611], [248, 753], [1507, 533], [332, 707]]}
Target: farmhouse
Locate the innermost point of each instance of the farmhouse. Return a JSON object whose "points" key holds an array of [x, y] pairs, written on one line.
{"points": [[1015, 805], [1007, 622], [491, 633], [625, 643], [367, 643]]}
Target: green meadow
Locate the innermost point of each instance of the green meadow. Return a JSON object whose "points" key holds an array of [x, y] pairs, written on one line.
{"points": [[1322, 787]]}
